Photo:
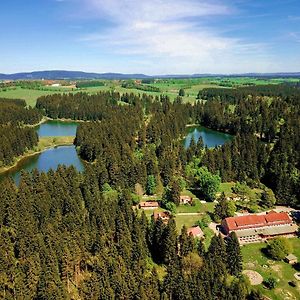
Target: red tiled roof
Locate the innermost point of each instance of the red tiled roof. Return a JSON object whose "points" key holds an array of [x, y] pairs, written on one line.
{"points": [[254, 221], [249, 220], [277, 217], [195, 231]]}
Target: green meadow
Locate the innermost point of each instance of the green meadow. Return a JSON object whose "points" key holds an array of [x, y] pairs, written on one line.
{"points": [[168, 87], [255, 259]]}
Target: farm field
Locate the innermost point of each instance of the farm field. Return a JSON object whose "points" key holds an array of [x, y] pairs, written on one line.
{"points": [[255, 259], [29, 95], [169, 87]]}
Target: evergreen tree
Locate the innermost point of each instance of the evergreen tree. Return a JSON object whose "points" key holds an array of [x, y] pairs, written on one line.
{"points": [[169, 242], [234, 256], [217, 257], [181, 92], [185, 242], [172, 193], [151, 185]]}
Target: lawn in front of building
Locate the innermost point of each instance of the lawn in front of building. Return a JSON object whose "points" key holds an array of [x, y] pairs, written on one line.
{"points": [[255, 259]]}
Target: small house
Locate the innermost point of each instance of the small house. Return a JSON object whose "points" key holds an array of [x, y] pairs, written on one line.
{"points": [[291, 259], [196, 232], [149, 205], [163, 215], [186, 200]]}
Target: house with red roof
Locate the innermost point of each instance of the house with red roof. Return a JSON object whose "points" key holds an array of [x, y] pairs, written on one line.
{"points": [[149, 205], [258, 228], [195, 232]]}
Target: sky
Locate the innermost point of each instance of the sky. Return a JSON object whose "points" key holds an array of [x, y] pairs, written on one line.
{"points": [[152, 37]]}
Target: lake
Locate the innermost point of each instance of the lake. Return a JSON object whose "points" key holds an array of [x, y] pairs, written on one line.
{"points": [[211, 138], [67, 155], [51, 158], [57, 128], [48, 159]]}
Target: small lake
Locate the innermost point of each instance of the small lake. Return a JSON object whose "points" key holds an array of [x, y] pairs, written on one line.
{"points": [[51, 158], [48, 159], [57, 128], [211, 138]]}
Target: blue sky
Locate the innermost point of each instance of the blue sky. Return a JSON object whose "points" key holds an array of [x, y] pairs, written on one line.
{"points": [[151, 37]]}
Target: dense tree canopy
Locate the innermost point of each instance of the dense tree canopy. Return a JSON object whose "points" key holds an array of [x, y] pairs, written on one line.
{"points": [[14, 111], [15, 137], [65, 235], [62, 237], [143, 137]]}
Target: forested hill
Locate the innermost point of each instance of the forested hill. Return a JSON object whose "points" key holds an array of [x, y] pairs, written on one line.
{"points": [[70, 235], [62, 74], [265, 148], [63, 236]]}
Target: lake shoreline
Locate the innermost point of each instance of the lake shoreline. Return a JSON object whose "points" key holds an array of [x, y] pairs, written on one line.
{"points": [[61, 141], [45, 119], [217, 130], [211, 138], [67, 120]]}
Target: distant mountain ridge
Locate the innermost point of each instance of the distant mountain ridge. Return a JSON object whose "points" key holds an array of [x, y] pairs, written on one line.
{"points": [[72, 75], [57, 74]]}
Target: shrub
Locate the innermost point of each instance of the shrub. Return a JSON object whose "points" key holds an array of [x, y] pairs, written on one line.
{"points": [[279, 248], [135, 199], [271, 283], [181, 93], [204, 221], [171, 207]]}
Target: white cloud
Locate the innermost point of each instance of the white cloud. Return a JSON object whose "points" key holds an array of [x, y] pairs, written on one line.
{"points": [[154, 10], [295, 36], [170, 37], [294, 18]]}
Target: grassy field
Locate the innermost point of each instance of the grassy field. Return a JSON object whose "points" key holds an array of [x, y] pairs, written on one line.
{"points": [[254, 259], [169, 87], [198, 208], [186, 220], [29, 95], [49, 142]]}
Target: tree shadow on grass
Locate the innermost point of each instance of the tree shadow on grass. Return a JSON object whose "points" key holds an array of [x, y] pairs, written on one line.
{"points": [[296, 266], [265, 252], [197, 193]]}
